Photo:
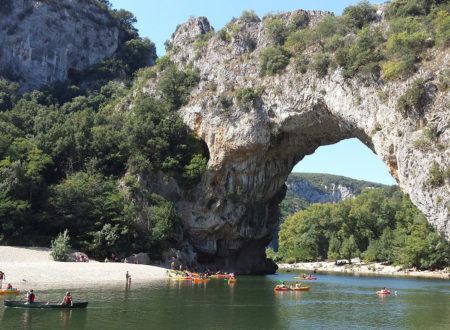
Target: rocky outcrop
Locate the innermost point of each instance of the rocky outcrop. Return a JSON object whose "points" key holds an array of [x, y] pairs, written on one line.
{"points": [[328, 189], [45, 41], [255, 143]]}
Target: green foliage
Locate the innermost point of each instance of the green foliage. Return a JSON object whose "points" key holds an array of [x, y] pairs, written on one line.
{"points": [[249, 16], [363, 55], [175, 86], [196, 167], [63, 151], [60, 247], [379, 224], [137, 53], [359, 15], [201, 40], [273, 60], [8, 94], [412, 102], [224, 35], [436, 175], [403, 8], [248, 96], [404, 48], [442, 28], [276, 29], [166, 221], [271, 254], [321, 63]]}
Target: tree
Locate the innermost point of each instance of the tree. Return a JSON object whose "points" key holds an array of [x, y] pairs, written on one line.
{"points": [[60, 247], [349, 249]]}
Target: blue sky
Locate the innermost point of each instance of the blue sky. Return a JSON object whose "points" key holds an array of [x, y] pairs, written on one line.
{"points": [[157, 20]]}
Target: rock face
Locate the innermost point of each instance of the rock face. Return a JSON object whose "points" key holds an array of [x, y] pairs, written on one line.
{"points": [[44, 41], [329, 189], [254, 145]]}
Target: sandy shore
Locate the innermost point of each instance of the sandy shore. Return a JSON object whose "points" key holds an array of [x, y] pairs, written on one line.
{"points": [[33, 267], [363, 269]]}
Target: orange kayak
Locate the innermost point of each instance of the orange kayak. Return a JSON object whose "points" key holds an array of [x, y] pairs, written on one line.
{"points": [[200, 280]]}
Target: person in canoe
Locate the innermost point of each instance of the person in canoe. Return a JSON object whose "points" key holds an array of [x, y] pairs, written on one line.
{"points": [[30, 296], [384, 291], [67, 300], [9, 287]]}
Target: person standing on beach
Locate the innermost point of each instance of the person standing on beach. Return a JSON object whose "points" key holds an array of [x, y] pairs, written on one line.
{"points": [[2, 277], [128, 278]]}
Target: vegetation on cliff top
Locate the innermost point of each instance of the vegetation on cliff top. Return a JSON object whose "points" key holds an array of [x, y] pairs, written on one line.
{"points": [[357, 46]]}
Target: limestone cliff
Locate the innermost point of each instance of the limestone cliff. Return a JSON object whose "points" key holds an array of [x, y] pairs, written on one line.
{"points": [[255, 142], [44, 41], [325, 188]]}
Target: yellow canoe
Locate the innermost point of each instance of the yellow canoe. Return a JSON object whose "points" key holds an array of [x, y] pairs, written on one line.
{"points": [[7, 292]]}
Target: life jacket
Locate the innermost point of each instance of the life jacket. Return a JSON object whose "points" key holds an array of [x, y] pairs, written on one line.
{"points": [[67, 300], [31, 297]]}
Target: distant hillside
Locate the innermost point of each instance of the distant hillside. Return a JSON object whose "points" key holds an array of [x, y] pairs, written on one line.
{"points": [[309, 188]]}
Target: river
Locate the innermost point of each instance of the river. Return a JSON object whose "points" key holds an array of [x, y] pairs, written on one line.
{"points": [[333, 302]]}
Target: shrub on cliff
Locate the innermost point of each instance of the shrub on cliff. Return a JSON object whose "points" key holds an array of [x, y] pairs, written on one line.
{"points": [[436, 175], [248, 96], [175, 86], [321, 63], [273, 60], [359, 15], [412, 102], [276, 29], [60, 247]]}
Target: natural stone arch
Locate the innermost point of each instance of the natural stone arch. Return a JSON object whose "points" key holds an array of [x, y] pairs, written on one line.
{"points": [[254, 145]]}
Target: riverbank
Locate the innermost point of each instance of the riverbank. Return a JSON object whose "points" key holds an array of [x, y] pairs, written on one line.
{"points": [[33, 267], [363, 269]]}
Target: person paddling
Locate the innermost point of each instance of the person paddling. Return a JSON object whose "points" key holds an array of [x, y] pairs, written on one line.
{"points": [[31, 296], [67, 300]]}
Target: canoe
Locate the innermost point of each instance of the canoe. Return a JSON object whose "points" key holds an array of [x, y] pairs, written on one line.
{"points": [[302, 288], [223, 276], [312, 278], [7, 292], [22, 304], [181, 278], [200, 280]]}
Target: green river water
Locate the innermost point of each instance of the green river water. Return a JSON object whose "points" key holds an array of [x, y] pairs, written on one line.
{"points": [[334, 302]]}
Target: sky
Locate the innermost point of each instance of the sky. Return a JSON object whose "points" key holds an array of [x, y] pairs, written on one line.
{"points": [[158, 19]]}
